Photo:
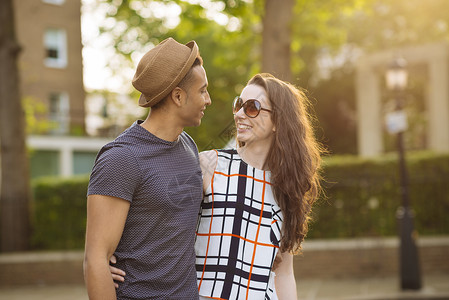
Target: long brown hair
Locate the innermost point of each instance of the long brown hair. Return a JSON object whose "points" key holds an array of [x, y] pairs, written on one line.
{"points": [[293, 159]]}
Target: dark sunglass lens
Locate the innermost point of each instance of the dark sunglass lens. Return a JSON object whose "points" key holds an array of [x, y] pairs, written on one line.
{"points": [[237, 104], [252, 108]]}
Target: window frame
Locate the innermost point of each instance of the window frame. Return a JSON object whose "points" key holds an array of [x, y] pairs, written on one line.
{"points": [[59, 44], [60, 116], [54, 2]]}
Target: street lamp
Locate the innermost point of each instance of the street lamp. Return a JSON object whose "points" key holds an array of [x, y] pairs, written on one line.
{"points": [[396, 80], [397, 76]]}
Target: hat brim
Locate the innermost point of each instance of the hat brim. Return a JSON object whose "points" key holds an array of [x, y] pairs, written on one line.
{"points": [[150, 101]]}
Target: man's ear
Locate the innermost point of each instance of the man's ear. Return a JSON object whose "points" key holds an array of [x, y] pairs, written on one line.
{"points": [[177, 96]]}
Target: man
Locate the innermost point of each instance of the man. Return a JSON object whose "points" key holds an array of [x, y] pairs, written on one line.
{"points": [[146, 186]]}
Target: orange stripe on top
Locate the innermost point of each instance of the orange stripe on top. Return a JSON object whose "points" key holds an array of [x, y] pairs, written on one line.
{"points": [[210, 226], [240, 237], [255, 179], [257, 235]]}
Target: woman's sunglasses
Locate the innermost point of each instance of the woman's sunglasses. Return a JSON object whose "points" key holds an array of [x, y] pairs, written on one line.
{"points": [[251, 107]]}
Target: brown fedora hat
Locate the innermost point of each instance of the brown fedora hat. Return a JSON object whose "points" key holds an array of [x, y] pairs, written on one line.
{"points": [[162, 68]]}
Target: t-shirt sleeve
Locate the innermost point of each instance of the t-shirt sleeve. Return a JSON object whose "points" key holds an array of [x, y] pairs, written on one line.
{"points": [[189, 140], [115, 173]]}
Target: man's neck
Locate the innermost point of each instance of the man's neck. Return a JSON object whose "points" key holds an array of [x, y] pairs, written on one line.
{"points": [[162, 125]]}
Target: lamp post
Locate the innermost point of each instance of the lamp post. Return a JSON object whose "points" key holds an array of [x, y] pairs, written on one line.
{"points": [[396, 79]]}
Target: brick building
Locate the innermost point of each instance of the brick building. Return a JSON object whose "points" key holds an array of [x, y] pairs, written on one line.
{"points": [[50, 63], [51, 83]]}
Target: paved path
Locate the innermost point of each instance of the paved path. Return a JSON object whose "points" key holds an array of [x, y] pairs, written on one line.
{"points": [[434, 287]]}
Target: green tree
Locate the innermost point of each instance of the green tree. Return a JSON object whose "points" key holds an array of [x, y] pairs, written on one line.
{"points": [[375, 25], [229, 51], [387, 24], [263, 35], [15, 187], [290, 39]]}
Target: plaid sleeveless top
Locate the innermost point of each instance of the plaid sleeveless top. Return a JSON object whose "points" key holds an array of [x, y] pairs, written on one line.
{"points": [[238, 232]]}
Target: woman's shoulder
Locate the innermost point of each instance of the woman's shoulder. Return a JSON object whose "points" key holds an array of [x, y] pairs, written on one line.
{"points": [[208, 157], [208, 163]]}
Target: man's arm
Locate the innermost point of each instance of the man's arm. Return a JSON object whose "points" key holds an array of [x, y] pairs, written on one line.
{"points": [[106, 218], [284, 281]]}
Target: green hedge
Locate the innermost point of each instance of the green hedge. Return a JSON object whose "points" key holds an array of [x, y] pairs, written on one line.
{"points": [[59, 219], [361, 199], [362, 196]]}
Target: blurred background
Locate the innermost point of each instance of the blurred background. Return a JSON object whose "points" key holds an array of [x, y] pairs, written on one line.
{"points": [[66, 68]]}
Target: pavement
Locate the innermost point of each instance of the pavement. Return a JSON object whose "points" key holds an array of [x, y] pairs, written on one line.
{"points": [[434, 286]]}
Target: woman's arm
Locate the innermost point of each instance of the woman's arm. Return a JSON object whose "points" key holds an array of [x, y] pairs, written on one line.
{"points": [[208, 162], [284, 281], [117, 274]]}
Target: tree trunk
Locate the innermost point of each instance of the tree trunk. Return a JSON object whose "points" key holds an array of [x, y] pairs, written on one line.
{"points": [[276, 38], [15, 183]]}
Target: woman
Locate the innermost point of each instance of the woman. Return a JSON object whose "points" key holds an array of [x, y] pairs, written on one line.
{"points": [[258, 197]]}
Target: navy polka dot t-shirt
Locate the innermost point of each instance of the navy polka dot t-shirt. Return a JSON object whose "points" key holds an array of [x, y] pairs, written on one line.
{"points": [[163, 182]]}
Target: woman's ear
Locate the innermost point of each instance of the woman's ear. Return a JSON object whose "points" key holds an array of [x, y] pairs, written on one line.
{"points": [[177, 96]]}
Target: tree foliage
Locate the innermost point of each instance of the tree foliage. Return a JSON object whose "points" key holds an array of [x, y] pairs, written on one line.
{"points": [[326, 38], [388, 24], [229, 49], [376, 25]]}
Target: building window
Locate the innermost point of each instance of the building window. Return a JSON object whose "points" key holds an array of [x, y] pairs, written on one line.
{"points": [[55, 42], [56, 2], [59, 113]]}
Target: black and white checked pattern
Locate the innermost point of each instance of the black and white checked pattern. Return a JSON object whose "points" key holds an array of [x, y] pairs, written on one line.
{"points": [[238, 232], [163, 182]]}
